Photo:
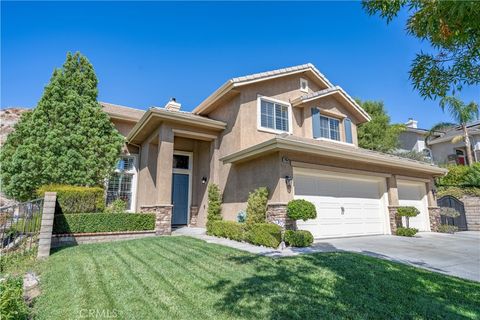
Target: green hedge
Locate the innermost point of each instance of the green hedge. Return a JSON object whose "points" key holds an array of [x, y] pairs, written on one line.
{"points": [[103, 222], [12, 304], [227, 229], [264, 234], [406, 232], [298, 238], [75, 199]]}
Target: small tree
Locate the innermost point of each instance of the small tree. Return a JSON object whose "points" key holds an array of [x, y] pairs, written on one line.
{"points": [[407, 212], [214, 211], [449, 213], [257, 206]]}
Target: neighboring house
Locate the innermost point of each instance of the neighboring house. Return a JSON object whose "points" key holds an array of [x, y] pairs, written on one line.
{"points": [[441, 147], [289, 130]]}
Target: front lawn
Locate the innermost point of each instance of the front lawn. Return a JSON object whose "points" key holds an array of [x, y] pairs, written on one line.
{"points": [[185, 278]]}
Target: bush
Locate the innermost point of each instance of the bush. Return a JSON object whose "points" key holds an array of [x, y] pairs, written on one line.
{"points": [[257, 206], [103, 222], [264, 234], [406, 232], [407, 212], [449, 212], [455, 176], [298, 238], [242, 216], [458, 192], [227, 229], [214, 211], [12, 304], [75, 199], [301, 210], [117, 206], [444, 228]]}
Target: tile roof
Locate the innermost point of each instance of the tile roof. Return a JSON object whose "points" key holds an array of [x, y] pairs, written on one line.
{"points": [[122, 112]]}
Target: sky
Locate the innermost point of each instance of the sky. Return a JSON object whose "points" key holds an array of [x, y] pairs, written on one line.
{"points": [[144, 53]]}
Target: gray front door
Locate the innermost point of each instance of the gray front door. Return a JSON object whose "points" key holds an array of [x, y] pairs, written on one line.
{"points": [[180, 199]]}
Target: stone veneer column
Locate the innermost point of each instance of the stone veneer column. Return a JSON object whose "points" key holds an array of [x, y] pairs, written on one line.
{"points": [[434, 213], [193, 216], [277, 213], [48, 213], [393, 203], [163, 220], [395, 221]]}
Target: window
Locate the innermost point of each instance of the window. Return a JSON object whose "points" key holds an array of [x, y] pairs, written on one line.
{"points": [[274, 115], [347, 123], [120, 184], [181, 161], [329, 128], [303, 85]]}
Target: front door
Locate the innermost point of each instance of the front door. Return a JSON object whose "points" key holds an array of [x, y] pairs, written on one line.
{"points": [[180, 185]]}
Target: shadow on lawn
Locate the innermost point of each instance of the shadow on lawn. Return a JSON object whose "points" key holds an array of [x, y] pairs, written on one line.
{"points": [[344, 285]]}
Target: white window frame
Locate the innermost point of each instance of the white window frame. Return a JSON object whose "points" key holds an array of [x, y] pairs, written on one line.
{"points": [[134, 173], [302, 81], [330, 133], [188, 171], [259, 115]]}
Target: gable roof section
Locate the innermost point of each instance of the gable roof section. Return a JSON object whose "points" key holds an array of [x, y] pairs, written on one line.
{"points": [[336, 90], [228, 86], [116, 111]]}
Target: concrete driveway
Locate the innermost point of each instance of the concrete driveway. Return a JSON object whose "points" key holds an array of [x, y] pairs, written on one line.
{"points": [[457, 254]]}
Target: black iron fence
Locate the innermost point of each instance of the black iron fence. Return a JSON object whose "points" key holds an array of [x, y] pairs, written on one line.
{"points": [[452, 202], [20, 227]]}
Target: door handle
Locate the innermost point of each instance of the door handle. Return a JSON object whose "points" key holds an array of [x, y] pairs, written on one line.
{"points": [[343, 210]]}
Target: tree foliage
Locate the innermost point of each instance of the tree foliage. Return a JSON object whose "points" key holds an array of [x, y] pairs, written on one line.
{"points": [[66, 139], [257, 206], [214, 210], [453, 30], [378, 134]]}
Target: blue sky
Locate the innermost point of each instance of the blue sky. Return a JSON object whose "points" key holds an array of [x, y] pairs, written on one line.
{"points": [[144, 53]]}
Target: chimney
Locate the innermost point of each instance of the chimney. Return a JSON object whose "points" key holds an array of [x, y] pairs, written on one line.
{"points": [[411, 123], [173, 105]]}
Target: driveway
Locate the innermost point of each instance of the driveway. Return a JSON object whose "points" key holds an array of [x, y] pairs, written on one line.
{"points": [[456, 255]]}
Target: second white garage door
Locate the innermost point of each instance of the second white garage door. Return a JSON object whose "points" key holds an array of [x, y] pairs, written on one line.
{"points": [[347, 204], [413, 193]]}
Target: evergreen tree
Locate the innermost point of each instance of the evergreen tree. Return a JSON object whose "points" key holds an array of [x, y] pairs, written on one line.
{"points": [[66, 139]]}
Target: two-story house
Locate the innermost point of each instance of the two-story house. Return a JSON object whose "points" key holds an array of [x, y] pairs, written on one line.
{"points": [[290, 130]]}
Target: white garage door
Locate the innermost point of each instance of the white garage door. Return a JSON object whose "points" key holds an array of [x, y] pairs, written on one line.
{"points": [[347, 205], [412, 193]]}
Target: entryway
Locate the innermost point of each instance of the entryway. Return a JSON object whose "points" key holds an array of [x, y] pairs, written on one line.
{"points": [[181, 187]]}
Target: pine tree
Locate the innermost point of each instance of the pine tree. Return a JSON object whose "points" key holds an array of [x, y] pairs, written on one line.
{"points": [[66, 139]]}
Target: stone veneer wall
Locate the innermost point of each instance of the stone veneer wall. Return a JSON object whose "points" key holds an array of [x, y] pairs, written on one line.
{"points": [[395, 221], [163, 221], [277, 213], [59, 240], [434, 213], [472, 212], [193, 216]]}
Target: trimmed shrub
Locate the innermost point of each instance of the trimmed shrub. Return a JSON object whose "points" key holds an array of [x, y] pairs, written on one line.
{"points": [[242, 216], [455, 176], [214, 211], [76, 199], [445, 228], [407, 212], [298, 238], [264, 234], [406, 232], [12, 304], [117, 206], [227, 229], [301, 210], [458, 192], [257, 206], [103, 222]]}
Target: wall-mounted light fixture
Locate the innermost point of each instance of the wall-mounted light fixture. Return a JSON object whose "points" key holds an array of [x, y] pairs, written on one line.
{"points": [[288, 181], [204, 180]]}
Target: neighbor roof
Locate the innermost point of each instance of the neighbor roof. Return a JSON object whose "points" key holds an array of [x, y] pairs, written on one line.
{"points": [[262, 76], [330, 91], [330, 149], [122, 112]]}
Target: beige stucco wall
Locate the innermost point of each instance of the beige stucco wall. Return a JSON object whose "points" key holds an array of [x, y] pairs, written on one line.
{"points": [[441, 151], [123, 126]]}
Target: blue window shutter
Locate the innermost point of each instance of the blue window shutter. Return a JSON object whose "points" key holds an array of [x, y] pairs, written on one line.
{"points": [[316, 123], [348, 130]]}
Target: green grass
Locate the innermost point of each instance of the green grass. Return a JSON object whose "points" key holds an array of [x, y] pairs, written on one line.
{"points": [[185, 278]]}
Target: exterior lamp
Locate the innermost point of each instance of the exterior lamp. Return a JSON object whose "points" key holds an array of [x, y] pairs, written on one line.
{"points": [[288, 181], [204, 180]]}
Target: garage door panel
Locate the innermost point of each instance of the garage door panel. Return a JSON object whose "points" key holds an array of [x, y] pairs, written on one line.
{"points": [[414, 195]]}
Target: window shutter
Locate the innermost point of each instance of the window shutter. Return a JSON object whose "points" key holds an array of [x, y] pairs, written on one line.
{"points": [[316, 123], [348, 130]]}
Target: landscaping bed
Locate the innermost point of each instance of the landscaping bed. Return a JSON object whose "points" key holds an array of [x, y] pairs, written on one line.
{"points": [[185, 278]]}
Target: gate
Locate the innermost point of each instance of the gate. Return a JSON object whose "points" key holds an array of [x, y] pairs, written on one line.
{"points": [[20, 227], [452, 202]]}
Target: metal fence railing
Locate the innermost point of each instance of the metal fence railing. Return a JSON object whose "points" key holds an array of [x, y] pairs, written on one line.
{"points": [[20, 227]]}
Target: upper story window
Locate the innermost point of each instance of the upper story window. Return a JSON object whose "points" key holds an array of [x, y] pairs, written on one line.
{"points": [[274, 115], [347, 123], [329, 128], [303, 85]]}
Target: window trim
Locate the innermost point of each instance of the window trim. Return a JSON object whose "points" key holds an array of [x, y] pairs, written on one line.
{"points": [[303, 80], [259, 115], [134, 173], [329, 130]]}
